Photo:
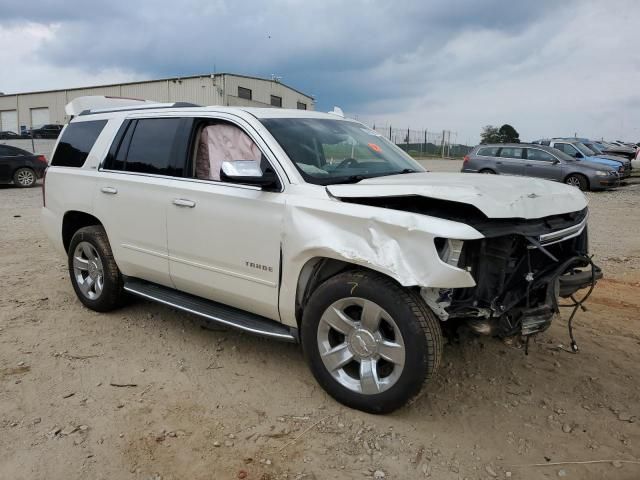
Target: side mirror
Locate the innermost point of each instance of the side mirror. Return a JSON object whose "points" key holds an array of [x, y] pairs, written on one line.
{"points": [[556, 161], [248, 172], [579, 155]]}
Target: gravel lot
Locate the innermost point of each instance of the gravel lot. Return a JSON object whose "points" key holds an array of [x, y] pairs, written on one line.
{"points": [[147, 392]]}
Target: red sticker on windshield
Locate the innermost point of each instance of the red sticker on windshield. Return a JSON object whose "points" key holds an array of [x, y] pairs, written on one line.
{"points": [[374, 147]]}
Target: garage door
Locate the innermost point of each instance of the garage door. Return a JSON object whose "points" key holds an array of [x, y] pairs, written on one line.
{"points": [[39, 117], [9, 121]]}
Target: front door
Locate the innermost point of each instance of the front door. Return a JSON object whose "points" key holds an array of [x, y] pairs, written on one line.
{"points": [[542, 164], [224, 238]]}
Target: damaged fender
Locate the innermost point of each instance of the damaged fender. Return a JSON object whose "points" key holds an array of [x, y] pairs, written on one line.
{"points": [[396, 243]]}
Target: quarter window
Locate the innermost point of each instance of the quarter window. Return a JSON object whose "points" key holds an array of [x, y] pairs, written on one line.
{"points": [[511, 152], [276, 101], [535, 154], [76, 143], [244, 93]]}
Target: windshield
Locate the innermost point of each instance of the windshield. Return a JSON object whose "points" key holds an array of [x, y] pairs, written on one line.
{"points": [[583, 149], [592, 146], [328, 151]]}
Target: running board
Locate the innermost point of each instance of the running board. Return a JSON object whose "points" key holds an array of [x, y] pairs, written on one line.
{"points": [[212, 311]]}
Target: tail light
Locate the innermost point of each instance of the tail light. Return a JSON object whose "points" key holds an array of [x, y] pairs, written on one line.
{"points": [[41, 158], [465, 159]]}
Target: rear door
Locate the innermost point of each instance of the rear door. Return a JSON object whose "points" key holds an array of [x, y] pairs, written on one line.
{"points": [[510, 161], [542, 164], [6, 161], [132, 197]]}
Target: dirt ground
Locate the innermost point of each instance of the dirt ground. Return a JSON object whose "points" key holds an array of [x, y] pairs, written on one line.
{"points": [[147, 392]]}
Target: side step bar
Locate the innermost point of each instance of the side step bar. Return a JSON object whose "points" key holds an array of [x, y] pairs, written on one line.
{"points": [[212, 311]]}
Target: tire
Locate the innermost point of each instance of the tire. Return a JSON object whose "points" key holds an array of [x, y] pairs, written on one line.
{"points": [[337, 360], [577, 180], [24, 177], [94, 274], [487, 171]]}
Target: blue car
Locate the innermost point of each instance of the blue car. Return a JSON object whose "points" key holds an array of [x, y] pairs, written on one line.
{"points": [[580, 152]]}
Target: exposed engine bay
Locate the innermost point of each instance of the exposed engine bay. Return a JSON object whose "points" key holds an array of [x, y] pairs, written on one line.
{"points": [[521, 267]]}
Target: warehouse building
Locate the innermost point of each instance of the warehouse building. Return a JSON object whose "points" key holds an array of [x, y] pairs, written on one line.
{"points": [[23, 111]]}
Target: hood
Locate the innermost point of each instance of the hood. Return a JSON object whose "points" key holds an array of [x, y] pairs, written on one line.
{"points": [[497, 196], [615, 158], [603, 161]]}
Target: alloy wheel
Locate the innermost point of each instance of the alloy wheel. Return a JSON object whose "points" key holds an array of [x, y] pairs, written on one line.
{"points": [[88, 270], [361, 345], [26, 178]]}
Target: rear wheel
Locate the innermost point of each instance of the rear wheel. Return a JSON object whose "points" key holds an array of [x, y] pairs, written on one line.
{"points": [[24, 177], [487, 171], [94, 274], [577, 180], [370, 343]]}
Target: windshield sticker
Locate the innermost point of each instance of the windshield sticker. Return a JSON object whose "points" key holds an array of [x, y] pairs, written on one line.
{"points": [[376, 148]]}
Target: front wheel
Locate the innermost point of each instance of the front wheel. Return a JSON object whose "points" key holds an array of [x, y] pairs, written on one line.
{"points": [[370, 343], [577, 180], [24, 177], [487, 171]]}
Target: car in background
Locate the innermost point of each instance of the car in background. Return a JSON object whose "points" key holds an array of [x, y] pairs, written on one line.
{"points": [[46, 131], [579, 152], [615, 149], [20, 167], [599, 152], [539, 161], [9, 135]]}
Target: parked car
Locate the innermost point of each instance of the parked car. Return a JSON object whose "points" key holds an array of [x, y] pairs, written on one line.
{"points": [[311, 228], [9, 135], [46, 131], [614, 149], [579, 152], [539, 161], [20, 167], [598, 152]]}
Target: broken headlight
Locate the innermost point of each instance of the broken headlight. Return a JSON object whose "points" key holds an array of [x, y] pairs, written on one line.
{"points": [[449, 250]]}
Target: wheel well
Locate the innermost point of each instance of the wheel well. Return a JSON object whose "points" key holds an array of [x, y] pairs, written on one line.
{"points": [[74, 221], [577, 174], [315, 272], [486, 170]]}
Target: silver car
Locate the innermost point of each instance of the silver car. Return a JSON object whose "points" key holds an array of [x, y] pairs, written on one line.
{"points": [[539, 161]]}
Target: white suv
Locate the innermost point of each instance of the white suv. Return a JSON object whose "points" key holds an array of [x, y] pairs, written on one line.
{"points": [[310, 228]]}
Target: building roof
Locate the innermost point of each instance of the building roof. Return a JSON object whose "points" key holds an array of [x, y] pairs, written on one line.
{"points": [[165, 79]]}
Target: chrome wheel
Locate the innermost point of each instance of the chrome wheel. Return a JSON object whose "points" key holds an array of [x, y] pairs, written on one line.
{"points": [[361, 345], [573, 181], [25, 177], [88, 270]]}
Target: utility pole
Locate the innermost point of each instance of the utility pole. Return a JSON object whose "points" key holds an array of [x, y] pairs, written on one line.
{"points": [[442, 143]]}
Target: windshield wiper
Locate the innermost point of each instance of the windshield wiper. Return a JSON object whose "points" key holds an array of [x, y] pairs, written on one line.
{"points": [[349, 179], [406, 170]]}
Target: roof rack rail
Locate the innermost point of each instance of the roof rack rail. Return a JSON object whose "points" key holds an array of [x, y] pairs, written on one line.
{"points": [[95, 104]]}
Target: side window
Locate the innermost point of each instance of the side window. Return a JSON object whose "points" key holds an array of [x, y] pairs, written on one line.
{"points": [[150, 147], [222, 142], [540, 155], [76, 143], [489, 151], [567, 148], [511, 152]]}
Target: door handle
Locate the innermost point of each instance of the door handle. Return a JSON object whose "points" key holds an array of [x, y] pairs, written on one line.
{"points": [[182, 202], [528, 165], [498, 163], [109, 190]]}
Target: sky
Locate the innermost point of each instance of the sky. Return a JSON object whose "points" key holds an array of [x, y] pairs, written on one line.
{"points": [[548, 68]]}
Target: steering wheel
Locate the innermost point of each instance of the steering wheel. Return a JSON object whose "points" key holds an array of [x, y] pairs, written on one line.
{"points": [[347, 162]]}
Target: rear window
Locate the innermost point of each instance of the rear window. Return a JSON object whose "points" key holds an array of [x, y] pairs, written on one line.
{"points": [[488, 151], [76, 143]]}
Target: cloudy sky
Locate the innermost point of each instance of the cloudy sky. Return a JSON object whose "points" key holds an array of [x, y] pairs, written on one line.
{"points": [[548, 68]]}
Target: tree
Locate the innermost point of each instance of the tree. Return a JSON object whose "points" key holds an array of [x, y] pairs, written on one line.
{"points": [[490, 134], [509, 134]]}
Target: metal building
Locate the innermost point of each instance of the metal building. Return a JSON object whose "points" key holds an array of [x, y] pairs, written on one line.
{"points": [[23, 111]]}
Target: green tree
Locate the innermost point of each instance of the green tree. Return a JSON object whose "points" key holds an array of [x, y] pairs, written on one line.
{"points": [[490, 134], [509, 134]]}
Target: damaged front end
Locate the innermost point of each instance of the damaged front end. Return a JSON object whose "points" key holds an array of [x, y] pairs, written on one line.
{"points": [[521, 268]]}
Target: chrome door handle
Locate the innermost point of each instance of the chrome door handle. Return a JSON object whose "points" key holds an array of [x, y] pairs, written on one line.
{"points": [[109, 190], [182, 202]]}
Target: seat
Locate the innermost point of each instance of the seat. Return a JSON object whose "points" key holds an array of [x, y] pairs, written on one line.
{"points": [[222, 143]]}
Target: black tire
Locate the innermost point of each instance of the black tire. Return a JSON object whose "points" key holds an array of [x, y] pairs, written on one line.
{"points": [[24, 177], [577, 180], [488, 171], [112, 294], [418, 326]]}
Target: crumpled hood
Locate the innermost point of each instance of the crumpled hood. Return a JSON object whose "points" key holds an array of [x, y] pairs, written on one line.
{"points": [[496, 196]]}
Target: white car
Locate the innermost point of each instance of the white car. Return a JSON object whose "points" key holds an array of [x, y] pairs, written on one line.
{"points": [[307, 227]]}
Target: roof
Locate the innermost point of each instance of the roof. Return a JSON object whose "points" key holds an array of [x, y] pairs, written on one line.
{"points": [[164, 79]]}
